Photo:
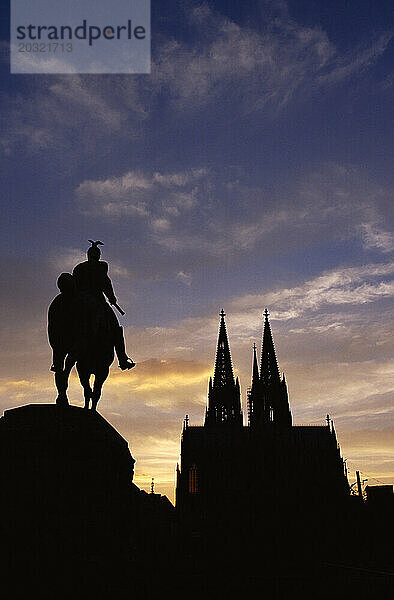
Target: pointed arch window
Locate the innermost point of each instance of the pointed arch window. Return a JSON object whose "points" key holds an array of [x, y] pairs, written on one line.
{"points": [[193, 480]]}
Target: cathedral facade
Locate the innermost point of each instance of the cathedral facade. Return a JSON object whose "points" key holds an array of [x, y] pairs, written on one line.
{"points": [[269, 483]]}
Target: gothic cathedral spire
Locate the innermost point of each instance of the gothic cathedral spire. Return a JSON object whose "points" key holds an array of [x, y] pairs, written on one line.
{"points": [[269, 371], [224, 399], [268, 401], [223, 375]]}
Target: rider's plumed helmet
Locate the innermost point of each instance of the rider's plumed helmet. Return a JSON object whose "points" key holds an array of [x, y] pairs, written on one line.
{"points": [[94, 251]]}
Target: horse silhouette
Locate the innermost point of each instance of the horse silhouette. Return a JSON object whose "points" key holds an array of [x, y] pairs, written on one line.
{"points": [[80, 334], [94, 355]]}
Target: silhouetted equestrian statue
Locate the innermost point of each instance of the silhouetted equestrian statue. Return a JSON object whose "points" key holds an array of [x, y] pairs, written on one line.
{"points": [[83, 328]]}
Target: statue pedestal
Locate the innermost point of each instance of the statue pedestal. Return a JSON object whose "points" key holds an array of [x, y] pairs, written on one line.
{"points": [[66, 499]]}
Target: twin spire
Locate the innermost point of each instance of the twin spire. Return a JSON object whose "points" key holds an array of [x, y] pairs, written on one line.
{"points": [[224, 395], [267, 398], [223, 375], [269, 371], [268, 402]]}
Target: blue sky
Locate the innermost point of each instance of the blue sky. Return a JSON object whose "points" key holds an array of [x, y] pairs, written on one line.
{"points": [[252, 168]]}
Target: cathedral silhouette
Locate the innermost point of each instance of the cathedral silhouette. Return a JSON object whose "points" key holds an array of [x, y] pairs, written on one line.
{"points": [[267, 486]]}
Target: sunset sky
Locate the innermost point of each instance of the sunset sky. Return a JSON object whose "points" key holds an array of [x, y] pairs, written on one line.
{"points": [[252, 168]]}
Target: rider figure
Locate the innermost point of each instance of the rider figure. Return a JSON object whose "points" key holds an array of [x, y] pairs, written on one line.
{"points": [[93, 284]]}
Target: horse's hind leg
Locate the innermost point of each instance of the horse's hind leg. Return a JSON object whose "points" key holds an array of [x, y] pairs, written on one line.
{"points": [[61, 377], [98, 386], [87, 390], [87, 394]]}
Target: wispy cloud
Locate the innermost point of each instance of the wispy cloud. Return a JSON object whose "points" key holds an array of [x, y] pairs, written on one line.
{"points": [[349, 285], [256, 69], [201, 212], [184, 278], [64, 106], [158, 196], [359, 59], [376, 238]]}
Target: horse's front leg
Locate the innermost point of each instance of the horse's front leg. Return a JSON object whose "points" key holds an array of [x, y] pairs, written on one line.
{"points": [[61, 386], [61, 380], [99, 379], [84, 378]]}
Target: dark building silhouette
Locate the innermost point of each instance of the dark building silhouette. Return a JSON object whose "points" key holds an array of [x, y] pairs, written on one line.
{"points": [[268, 500], [269, 460], [381, 496]]}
